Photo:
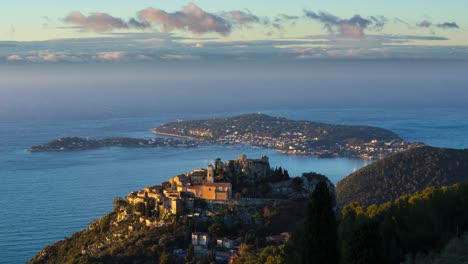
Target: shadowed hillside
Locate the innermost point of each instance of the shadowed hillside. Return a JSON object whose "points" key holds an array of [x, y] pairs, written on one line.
{"points": [[403, 173]]}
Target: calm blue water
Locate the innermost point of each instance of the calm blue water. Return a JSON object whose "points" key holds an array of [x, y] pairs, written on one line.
{"points": [[45, 197]]}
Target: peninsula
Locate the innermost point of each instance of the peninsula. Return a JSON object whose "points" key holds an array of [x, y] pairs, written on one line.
{"points": [[291, 136], [77, 143]]}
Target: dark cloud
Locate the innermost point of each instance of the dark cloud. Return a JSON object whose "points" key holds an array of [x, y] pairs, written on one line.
{"points": [[424, 24], [287, 17], [281, 19], [138, 24], [445, 25], [352, 27], [191, 18], [378, 22], [448, 25]]}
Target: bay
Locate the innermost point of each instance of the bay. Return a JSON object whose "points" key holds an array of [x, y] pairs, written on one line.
{"points": [[45, 197]]}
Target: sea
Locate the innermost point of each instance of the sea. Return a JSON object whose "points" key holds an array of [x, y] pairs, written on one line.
{"points": [[46, 197]]}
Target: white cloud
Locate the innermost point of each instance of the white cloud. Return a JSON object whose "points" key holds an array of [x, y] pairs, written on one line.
{"points": [[111, 55], [14, 58]]}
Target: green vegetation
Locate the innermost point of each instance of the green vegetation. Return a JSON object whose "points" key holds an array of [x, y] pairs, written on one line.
{"points": [[456, 252], [316, 238], [403, 173], [243, 186], [427, 227], [411, 226]]}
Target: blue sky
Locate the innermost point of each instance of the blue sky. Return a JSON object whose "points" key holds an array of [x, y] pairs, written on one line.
{"points": [[45, 31]]}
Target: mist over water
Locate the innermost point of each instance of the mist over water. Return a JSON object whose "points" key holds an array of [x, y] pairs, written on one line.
{"points": [[64, 92]]}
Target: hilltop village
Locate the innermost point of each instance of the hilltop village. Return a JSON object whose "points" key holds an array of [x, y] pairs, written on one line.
{"points": [[226, 204]]}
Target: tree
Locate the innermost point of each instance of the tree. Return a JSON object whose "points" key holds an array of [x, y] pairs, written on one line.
{"points": [[118, 201], [190, 255], [363, 246], [216, 229], [272, 255], [165, 258], [297, 184], [316, 239]]}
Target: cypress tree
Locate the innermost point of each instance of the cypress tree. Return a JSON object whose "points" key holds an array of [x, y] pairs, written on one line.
{"points": [[315, 241]]}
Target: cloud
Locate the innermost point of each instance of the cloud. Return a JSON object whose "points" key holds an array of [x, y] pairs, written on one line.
{"points": [[143, 57], [446, 25], [99, 22], [14, 58], [160, 48], [137, 24], [110, 55], [241, 17], [424, 24], [180, 57], [286, 17], [191, 18], [352, 27], [407, 38], [46, 56]]}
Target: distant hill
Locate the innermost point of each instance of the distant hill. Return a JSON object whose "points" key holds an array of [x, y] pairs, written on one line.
{"points": [[275, 127], [290, 136], [402, 174], [76, 143]]}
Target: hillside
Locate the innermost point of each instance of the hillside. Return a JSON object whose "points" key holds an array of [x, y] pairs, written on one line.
{"points": [[412, 227], [291, 136], [188, 219], [403, 173]]}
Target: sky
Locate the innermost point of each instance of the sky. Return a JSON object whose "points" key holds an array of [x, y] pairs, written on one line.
{"points": [[51, 31], [93, 58]]}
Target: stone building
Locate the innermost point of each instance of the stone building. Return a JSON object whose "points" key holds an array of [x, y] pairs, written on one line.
{"points": [[250, 168], [217, 191]]}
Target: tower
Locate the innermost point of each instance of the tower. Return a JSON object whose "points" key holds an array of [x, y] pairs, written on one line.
{"points": [[210, 174]]}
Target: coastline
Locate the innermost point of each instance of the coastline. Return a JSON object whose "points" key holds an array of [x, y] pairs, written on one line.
{"points": [[285, 152], [173, 135]]}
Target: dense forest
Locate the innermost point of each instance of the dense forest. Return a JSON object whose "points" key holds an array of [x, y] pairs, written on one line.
{"points": [[403, 173], [409, 228], [427, 227]]}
